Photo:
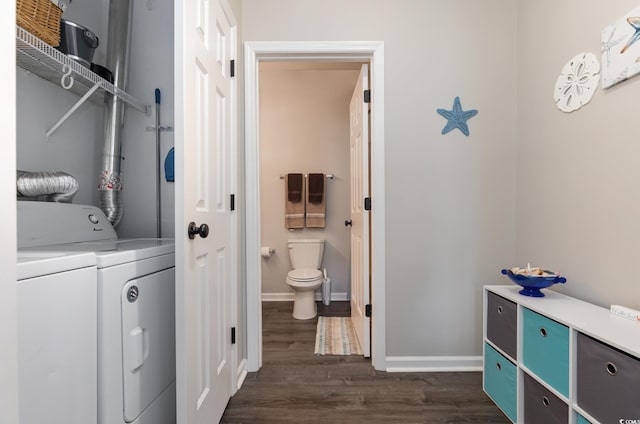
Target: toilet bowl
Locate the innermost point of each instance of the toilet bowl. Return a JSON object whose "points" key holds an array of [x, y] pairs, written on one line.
{"points": [[304, 283], [305, 277]]}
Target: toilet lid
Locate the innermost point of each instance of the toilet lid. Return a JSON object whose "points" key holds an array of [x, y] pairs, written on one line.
{"points": [[305, 274]]}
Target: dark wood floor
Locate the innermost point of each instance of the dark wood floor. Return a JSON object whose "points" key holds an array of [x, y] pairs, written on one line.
{"points": [[296, 386]]}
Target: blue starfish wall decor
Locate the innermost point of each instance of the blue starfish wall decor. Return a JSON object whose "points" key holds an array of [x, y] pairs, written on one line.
{"points": [[457, 118]]}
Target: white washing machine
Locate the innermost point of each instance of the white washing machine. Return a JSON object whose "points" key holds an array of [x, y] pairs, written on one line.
{"points": [[57, 357], [135, 308]]}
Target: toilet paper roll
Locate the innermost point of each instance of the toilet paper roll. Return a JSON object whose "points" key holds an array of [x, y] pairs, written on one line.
{"points": [[266, 252]]}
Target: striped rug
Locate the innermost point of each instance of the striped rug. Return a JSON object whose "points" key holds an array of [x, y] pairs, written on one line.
{"points": [[335, 336]]}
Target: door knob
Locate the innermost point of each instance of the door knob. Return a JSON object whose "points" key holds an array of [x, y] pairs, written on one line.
{"points": [[348, 223], [193, 230]]}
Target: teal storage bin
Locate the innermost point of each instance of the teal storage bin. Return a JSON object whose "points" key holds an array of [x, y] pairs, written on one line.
{"points": [[500, 381], [582, 420], [545, 345]]}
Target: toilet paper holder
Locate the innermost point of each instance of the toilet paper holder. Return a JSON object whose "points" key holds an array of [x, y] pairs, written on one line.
{"points": [[266, 252]]}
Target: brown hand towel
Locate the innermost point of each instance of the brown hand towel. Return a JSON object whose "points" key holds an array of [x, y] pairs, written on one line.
{"points": [[294, 209], [316, 188], [316, 201], [294, 187]]}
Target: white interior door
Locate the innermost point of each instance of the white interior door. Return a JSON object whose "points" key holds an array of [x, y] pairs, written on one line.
{"points": [[359, 147], [204, 38]]}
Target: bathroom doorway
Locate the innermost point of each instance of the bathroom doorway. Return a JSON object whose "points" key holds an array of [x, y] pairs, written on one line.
{"points": [[338, 65], [304, 128]]}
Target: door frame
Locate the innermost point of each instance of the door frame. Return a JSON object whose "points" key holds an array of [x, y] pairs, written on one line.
{"points": [[356, 51], [8, 286]]}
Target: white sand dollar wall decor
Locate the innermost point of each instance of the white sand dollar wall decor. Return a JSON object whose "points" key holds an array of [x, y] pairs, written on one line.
{"points": [[577, 83]]}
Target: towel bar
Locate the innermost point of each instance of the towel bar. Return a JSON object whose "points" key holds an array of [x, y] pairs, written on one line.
{"points": [[329, 176]]}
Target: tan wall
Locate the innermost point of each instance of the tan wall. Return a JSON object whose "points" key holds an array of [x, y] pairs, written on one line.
{"points": [[450, 200], [579, 173], [304, 127]]}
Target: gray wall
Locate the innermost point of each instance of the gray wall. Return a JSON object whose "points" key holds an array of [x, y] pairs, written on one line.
{"points": [[304, 127], [450, 199], [451, 210], [151, 68], [578, 173], [77, 145], [74, 147]]}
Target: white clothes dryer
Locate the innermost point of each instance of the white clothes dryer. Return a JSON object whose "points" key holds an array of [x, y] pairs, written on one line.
{"points": [[135, 309]]}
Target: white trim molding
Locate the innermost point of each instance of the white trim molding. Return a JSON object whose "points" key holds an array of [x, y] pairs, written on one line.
{"points": [[8, 288], [252, 213], [241, 374], [433, 363], [235, 247], [354, 51], [288, 297]]}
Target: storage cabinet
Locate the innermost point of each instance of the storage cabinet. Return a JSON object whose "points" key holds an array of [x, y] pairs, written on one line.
{"points": [[557, 359]]}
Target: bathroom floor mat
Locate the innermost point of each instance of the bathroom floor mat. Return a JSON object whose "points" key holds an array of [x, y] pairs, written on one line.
{"points": [[336, 336]]}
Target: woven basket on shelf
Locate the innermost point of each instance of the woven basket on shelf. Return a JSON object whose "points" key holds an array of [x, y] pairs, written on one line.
{"points": [[41, 18]]}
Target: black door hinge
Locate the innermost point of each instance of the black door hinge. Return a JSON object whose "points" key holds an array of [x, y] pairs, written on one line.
{"points": [[233, 335], [233, 68], [367, 310], [232, 202], [367, 96], [367, 203]]}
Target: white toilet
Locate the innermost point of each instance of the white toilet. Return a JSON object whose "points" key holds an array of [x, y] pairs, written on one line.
{"points": [[305, 277]]}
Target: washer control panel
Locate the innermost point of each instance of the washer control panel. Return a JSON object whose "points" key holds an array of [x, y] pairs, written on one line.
{"points": [[46, 223]]}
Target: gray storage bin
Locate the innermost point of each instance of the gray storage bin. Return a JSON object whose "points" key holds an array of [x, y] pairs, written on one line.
{"points": [[502, 323], [541, 406], [608, 381]]}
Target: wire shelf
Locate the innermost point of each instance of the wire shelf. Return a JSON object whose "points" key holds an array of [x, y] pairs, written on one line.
{"points": [[39, 58]]}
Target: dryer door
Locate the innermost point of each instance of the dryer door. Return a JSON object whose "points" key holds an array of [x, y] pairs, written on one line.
{"points": [[148, 340]]}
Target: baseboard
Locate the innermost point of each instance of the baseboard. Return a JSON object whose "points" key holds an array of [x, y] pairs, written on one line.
{"points": [[288, 297], [335, 297], [241, 373], [433, 363]]}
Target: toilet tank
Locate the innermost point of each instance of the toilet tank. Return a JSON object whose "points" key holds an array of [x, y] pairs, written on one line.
{"points": [[306, 253]]}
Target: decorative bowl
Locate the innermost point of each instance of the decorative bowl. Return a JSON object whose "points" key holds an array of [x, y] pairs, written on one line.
{"points": [[531, 284]]}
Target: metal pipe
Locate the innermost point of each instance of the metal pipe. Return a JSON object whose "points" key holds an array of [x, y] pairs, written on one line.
{"points": [[57, 186], [118, 53], [329, 176]]}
